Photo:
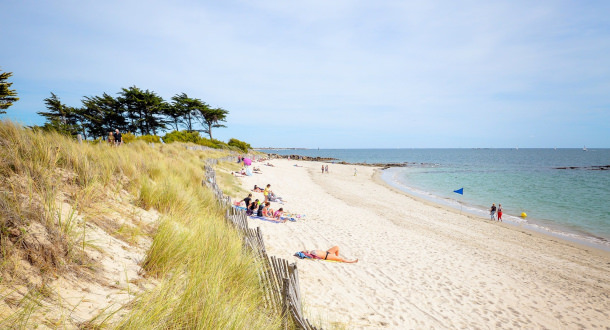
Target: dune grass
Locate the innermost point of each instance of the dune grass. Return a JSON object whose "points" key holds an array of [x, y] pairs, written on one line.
{"points": [[205, 279]]}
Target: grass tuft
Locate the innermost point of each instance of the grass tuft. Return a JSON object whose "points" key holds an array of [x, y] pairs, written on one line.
{"points": [[51, 187]]}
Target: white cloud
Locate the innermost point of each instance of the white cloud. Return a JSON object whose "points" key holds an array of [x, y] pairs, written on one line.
{"points": [[391, 67]]}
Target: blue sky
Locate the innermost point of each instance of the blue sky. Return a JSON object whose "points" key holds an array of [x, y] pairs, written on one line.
{"points": [[331, 74]]}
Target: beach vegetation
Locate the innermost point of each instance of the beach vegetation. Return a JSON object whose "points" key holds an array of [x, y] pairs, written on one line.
{"points": [[211, 118], [60, 117], [55, 192], [129, 137], [7, 95], [241, 145], [135, 110]]}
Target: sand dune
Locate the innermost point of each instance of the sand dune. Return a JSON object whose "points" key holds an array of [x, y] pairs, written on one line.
{"points": [[422, 265]]}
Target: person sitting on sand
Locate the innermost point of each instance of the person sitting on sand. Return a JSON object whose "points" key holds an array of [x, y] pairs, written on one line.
{"points": [[264, 210], [330, 254], [247, 200], [253, 206], [273, 198], [278, 214], [267, 210]]}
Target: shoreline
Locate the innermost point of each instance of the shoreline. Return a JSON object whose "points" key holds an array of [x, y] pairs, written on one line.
{"points": [[554, 230], [543, 233], [423, 265], [557, 231]]}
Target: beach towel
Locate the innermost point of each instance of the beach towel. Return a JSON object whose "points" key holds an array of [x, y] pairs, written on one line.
{"points": [[301, 255], [265, 219]]}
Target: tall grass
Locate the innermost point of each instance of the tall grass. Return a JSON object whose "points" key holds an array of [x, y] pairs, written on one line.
{"points": [[206, 280]]}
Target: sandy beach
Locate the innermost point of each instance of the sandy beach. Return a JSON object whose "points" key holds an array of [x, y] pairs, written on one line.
{"points": [[422, 265]]}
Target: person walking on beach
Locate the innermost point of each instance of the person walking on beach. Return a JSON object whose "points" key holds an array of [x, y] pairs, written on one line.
{"points": [[326, 168], [355, 171], [118, 137], [499, 212], [322, 169], [492, 211]]}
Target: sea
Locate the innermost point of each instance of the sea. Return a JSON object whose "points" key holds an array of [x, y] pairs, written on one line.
{"points": [[561, 192]]}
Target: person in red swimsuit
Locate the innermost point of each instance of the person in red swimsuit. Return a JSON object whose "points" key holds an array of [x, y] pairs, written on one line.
{"points": [[499, 212]]}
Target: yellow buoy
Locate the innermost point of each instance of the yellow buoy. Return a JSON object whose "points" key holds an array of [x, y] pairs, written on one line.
{"points": [[523, 214]]}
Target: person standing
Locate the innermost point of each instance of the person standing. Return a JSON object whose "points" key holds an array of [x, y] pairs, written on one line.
{"points": [[118, 137], [355, 171], [266, 193], [326, 168], [499, 212], [492, 211], [110, 139], [322, 168]]}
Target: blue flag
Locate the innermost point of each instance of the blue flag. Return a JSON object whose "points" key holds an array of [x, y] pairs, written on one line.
{"points": [[459, 191]]}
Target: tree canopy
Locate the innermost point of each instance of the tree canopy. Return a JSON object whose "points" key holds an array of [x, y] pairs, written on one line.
{"points": [[133, 110], [7, 95]]}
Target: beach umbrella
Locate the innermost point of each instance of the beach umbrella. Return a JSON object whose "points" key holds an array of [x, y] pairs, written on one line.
{"points": [[247, 161]]}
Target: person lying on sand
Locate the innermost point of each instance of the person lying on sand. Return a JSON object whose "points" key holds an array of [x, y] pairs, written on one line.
{"points": [[257, 189], [330, 254], [269, 164], [277, 199]]}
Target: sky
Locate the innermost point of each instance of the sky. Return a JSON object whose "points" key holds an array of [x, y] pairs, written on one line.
{"points": [[331, 74]]}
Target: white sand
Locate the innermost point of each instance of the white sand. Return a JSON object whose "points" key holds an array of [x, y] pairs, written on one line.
{"points": [[422, 265]]}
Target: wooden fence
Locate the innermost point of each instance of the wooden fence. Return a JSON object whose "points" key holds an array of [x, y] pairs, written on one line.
{"points": [[280, 279]]}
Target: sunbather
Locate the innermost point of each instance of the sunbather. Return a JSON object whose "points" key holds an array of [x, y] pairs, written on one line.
{"points": [[330, 254], [257, 189]]}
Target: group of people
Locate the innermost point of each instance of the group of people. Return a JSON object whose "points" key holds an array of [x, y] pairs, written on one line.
{"points": [[116, 138], [269, 195], [262, 209], [496, 210]]}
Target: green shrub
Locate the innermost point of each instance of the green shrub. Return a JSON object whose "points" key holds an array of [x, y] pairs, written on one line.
{"points": [[181, 136], [149, 138], [193, 137], [128, 137], [241, 145]]}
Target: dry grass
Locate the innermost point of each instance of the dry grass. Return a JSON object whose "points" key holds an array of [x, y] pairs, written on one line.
{"points": [[52, 189]]}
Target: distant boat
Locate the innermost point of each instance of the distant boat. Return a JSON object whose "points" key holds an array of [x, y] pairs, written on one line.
{"points": [[584, 148]]}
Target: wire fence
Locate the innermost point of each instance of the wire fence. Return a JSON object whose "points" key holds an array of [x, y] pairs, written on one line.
{"points": [[280, 279]]}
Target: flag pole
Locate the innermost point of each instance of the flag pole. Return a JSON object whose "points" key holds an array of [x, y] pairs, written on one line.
{"points": [[461, 192]]}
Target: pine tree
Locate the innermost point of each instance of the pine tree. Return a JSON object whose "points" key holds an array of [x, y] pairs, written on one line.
{"points": [[7, 95]]}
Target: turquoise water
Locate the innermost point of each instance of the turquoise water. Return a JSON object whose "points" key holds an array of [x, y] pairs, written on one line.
{"points": [[572, 203]]}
